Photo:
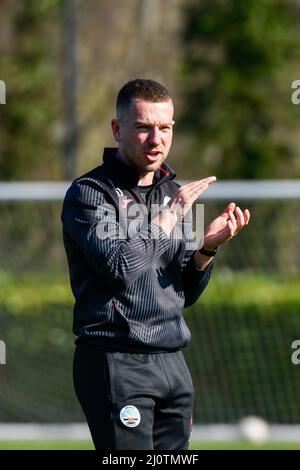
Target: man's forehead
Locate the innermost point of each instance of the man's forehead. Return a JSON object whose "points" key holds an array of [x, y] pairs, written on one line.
{"points": [[148, 111]]}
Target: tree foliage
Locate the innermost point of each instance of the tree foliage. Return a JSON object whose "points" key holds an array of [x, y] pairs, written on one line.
{"points": [[238, 69], [228, 64], [115, 43], [27, 147]]}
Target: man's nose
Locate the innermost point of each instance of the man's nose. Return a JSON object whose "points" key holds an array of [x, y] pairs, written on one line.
{"points": [[154, 136]]}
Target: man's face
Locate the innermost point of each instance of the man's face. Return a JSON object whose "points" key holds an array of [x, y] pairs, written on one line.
{"points": [[145, 134]]}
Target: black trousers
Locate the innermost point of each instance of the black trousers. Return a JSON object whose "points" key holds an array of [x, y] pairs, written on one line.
{"points": [[134, 401]]}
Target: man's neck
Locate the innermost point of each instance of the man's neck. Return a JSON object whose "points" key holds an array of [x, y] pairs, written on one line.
{"points": [[144, 179]]}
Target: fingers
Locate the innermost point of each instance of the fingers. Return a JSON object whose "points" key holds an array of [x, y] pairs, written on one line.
{"points": [[240, 218], [200, 183], [196, 188], [229, 208], [247, 216], [184, 197], [237, 219], [232, 223], [231, 228]]}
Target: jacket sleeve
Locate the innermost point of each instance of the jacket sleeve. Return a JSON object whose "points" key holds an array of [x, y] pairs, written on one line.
{"points": [[92, 224], [194, 280]]}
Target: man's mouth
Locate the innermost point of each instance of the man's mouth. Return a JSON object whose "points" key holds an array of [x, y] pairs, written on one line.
{"points": [[152, 155]]}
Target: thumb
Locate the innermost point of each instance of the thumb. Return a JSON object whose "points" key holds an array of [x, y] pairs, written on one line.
{"points": [[226, 211]]}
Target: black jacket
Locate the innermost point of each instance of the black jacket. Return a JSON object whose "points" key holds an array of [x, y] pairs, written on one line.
{"points": [[129, 288]]}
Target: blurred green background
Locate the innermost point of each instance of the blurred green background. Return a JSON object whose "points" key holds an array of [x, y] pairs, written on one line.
{"points": [[228, 64]]}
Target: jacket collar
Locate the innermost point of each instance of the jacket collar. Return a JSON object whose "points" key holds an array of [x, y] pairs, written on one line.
{"points": [[124, 172]]}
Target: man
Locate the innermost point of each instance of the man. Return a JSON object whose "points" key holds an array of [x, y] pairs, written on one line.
{"points": [[131, 278]]}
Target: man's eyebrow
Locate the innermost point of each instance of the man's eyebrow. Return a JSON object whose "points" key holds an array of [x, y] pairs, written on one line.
{"points": [[145, 123]]}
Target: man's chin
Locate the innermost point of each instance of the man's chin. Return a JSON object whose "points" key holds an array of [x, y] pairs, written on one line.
{"points": [[155, 164]]}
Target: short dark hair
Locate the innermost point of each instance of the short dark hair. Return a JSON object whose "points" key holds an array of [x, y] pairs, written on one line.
{"points": [[145, 89]]}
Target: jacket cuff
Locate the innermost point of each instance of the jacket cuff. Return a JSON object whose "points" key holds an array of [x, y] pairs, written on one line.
{"points": [[202, 270]]}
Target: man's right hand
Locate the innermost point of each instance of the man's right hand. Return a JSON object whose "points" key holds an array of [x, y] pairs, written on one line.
{"points": [[186, 195], [180, 203]]}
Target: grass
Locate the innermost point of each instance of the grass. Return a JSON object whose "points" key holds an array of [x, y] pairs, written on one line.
{"points": [[26, 292], [237, 288], [87, 445]]}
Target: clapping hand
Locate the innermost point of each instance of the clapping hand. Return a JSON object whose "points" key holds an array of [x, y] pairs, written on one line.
{"points": [[226, 226]]}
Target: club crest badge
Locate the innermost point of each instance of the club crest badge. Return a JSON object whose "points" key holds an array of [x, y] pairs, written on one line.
{"points": [[130, 416]]}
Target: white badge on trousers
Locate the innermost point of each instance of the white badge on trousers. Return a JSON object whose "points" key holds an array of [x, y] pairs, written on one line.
{"points": [[130, 416]]}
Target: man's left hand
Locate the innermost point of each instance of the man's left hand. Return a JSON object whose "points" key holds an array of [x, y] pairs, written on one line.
{"points": [[226, 226]]}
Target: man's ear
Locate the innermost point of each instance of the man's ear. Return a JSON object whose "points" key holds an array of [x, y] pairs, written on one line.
{"points": [[116, 129]]}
